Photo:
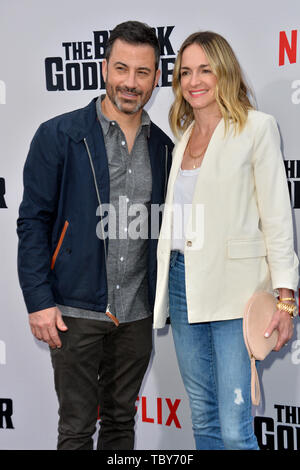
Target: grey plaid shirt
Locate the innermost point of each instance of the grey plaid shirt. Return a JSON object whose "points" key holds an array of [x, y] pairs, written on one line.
{"points": [[130, 196]]}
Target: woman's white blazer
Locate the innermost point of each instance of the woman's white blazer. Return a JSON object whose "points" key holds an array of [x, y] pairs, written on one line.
{"points": [[239, 236]]}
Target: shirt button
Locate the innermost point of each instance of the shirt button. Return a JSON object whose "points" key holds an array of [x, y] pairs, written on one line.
{"points": [[123, 142], [122, 258], [113, 123], [117, 286], [129, 171], [189, 243]]}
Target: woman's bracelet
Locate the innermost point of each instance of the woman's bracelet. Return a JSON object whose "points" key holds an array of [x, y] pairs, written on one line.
{"points": [[291, 299], [291, 309]]}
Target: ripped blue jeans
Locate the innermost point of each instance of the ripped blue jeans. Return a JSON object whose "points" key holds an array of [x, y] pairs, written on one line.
{"points": [[215, 369]]}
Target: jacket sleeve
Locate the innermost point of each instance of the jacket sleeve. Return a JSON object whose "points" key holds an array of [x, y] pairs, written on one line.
{"points": [[274, 206], [42, 175]]}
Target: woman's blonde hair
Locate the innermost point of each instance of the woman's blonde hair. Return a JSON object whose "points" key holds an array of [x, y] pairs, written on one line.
{"points": [[231, 89]]}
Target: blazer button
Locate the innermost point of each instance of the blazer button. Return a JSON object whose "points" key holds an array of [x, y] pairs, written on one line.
{"points": [[189, 243]]}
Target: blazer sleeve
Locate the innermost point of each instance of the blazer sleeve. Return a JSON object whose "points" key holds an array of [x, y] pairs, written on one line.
{"points": [[274, 206]]}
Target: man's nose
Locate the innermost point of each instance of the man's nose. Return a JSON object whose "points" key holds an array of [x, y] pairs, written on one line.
{"points": [[130, 81]]}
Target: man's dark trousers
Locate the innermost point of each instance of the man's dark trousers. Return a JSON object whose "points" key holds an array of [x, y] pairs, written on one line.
{"points": [[100, 364]]}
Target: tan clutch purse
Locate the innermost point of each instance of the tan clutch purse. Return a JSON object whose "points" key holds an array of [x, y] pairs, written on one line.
{"points": [[257, 316]]}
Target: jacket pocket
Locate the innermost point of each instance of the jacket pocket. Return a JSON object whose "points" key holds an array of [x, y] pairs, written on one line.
{"points": [[248, 248], [60, 241]]}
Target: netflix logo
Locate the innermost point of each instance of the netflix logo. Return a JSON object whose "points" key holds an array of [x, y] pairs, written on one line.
{"points": [[288, 55], [288, 43], [164, 411], [159, 410]]}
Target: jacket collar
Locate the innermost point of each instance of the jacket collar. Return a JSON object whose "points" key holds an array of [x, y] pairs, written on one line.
{"points": [[82, 121]]}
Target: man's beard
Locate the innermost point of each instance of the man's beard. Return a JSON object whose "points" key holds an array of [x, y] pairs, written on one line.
{"points": [[121, 103]]}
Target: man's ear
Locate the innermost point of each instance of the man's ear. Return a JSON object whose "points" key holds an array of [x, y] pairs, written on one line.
{"points": [[104, 69], [157, 75]]}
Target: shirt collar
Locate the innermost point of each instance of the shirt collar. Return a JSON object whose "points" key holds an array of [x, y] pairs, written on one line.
{"points": [[106, 123]]}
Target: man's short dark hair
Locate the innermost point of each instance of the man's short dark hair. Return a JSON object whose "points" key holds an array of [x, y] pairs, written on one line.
{"points": [[137, 33]]}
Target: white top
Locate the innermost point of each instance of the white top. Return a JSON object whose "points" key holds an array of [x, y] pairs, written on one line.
{"points": [[182, 202]]}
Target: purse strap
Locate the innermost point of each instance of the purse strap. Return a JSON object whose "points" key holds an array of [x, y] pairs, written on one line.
{"points": [[255, 387]]}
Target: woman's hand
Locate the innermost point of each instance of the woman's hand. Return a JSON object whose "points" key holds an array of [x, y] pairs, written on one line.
{"points": [[282, 321]]}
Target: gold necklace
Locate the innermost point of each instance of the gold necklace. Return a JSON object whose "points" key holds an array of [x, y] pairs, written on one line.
{"points": [[203, 150], [196, 157]]}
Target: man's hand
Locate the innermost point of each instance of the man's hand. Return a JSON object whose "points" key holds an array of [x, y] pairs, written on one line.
{"points": [[44, 325]]}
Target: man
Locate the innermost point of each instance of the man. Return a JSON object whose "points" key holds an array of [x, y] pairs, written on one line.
{"points": [[88, 285]]}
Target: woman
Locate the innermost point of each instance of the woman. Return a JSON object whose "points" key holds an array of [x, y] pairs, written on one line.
{"points": [[226, 233]]}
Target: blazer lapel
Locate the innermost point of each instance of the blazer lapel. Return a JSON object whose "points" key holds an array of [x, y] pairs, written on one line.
{"points": [[177, 159]]}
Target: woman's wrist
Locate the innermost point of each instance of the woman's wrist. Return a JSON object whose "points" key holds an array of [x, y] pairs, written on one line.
{"points": [[287, 302], [286, 293]]}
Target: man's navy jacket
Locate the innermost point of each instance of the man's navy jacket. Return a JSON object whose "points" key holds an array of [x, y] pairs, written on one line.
{"points": [[66, 176]]}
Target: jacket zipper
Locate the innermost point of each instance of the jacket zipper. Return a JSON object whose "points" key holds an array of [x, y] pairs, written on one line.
{"points": [[58, 246], [107, 311]]}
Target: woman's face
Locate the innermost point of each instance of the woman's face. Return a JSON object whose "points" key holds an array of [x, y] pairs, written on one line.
{"points": [[198, 83]]}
